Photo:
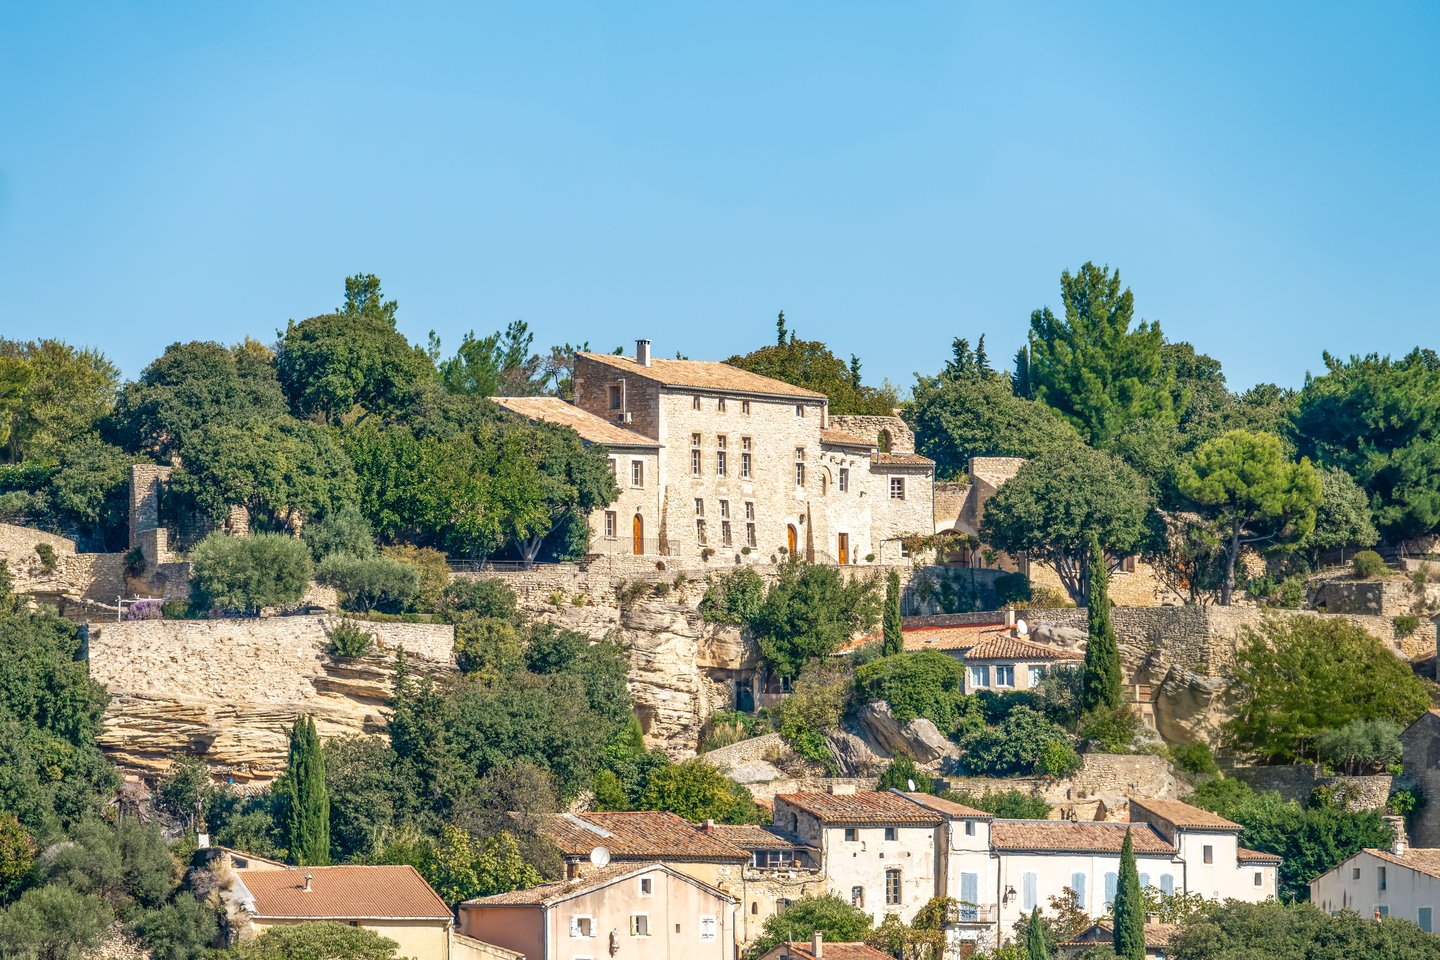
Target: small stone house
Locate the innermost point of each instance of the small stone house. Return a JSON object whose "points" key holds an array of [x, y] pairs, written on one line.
{"points": [[1421, 758], [644, 911]]}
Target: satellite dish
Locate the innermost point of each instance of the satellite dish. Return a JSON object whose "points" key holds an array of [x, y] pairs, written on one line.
{"points": [[910, 785], [600, 857], [1021, 628]]}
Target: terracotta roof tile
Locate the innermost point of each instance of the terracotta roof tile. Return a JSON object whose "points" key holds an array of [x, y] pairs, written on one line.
{"points": [[1245, 855], [639, 835], [704, 375], [948, 808], [590, 427], [1183, 815], [750, 836], [344, 893], [1156, 935], [864, 807], [842, 439], [833, 951], [901, 460], [1060, 835], [1013, 648], [938, 638], [1424, 860], [589, 879]]}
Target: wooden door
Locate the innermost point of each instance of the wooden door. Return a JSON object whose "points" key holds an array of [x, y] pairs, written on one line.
{"points": [[637, 535], [791, 538], [844, 549]]}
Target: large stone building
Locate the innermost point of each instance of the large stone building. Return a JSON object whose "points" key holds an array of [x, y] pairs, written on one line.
{"points": [[710, 457]]}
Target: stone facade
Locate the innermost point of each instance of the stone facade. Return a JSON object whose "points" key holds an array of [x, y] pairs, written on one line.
{"points": [[888, 434], [1421, 742], [228, 690]]}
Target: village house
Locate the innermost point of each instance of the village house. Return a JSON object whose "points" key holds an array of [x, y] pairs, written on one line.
{"points": [[1157, 938], [1403, 881], [997, 656], [1420, 743], [817, 949], [628, 911], [715, 460]]}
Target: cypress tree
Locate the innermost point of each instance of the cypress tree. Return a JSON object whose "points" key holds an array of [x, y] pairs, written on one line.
{"points": [[1129, 906], [1102, 680], [308, 824], [1035, 946], [894, 637]]}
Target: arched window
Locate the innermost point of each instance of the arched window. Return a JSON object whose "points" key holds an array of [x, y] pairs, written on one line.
{"points": [[883, 441]]}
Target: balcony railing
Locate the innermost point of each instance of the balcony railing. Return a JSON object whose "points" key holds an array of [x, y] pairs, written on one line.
{"points": [[962, 914]]}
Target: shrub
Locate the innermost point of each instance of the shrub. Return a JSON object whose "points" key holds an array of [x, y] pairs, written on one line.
{"points": [[628, 593], [725, 727], [1008, 804], [927, 684], [147, 609], [1012, 588], [177, 610], [181, 930], [1195, 759], [1367, 564], [815, 705], [344, 530], [432, 568], [1404, 802], [349, 639], [134, 562], [1361, 746], [1109, 729], [490, 597], [1024, 744], [1405, 624], [902, 774], [489, 646], [46, 553], [244, 574], [734, 597], [1058, 759], [365, 583]]}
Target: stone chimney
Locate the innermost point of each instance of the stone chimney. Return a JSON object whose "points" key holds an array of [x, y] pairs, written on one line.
{"points": [[642, 352], [1009, 618], [1399, 840], [707, 826], [309, 888], [817, 944]]}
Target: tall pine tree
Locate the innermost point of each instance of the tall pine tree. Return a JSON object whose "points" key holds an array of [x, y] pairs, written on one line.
{"points": [[894, 636], [307, 828], [1035, 946], [1102, 679], [1129, 906]]}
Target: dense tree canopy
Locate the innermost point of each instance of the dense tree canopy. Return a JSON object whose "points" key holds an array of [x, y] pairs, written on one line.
{"points": [[809, 612], [50, 394]]}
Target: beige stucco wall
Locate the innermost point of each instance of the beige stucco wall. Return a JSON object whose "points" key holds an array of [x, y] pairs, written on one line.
{"points": [[642, 499], [418, 939], [1406, 890]]}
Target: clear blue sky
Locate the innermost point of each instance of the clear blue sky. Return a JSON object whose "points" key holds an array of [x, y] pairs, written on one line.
{"points": [[1266, 176]]}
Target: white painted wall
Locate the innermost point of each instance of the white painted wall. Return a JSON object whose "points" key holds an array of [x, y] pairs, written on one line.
{"points": [[1355, 885]]}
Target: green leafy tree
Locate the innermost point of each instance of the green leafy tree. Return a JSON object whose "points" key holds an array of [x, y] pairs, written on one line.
{"points": [[1129, 906], [926, 683], [1251, 493], [1297, 676], [343, 530], [1036, 946], [894, 641], [734, 597], [319, 941], [1053, 506], [125, 864], [89, 492], [1102, 676], [17, 854], [698, 791], [193, 385], [1361, 746], [51, 394], [1092, 367], [1378, 419], [900, 774], [957, 418], [1009, 804], [837, 920], [307, 822], [811, 365], [53, 922], [369, 583], [334, 365], [461, 866], [1024, 743], [1342, 519], [1235, 930], [247, 573], [500, 364], [816, 702], [180, 930], [809, 612], [364, 796]]}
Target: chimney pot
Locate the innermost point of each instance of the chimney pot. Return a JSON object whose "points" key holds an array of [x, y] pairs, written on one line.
{"points": [[708, 826], [817, 944], [308, 879], [642, 352], [1009, 618], [1399, 840]]}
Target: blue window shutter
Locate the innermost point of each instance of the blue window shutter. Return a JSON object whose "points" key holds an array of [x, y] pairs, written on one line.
{"points": [[1422, 917], [1077, 883], [1110, 880], [1167, 884], [1144, 880], [969, 895], [1028, 898]]}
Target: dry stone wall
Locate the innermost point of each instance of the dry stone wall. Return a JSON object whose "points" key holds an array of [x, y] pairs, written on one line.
{"points": [[228, 690]]}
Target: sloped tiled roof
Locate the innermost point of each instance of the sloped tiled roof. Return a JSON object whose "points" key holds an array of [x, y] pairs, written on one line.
{"points": [[1063, 836], [1013, 648], [1183, 815], [901, 460], [1424, 860], [865, 807], [1157, 935], [589, 879], [948, 808], [944, 639], [1245, 855], [590, 427], [842, 439], [639, 835], [750, 836], [344, 893], [832, 951], [704, 375]]}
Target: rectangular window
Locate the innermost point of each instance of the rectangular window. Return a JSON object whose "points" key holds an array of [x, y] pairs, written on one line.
{"points": [[1379, 876], [1355, 874], [725, 509], [1144, 880], [750, 534], [720, 405], [615, 397], [1028, 896], [647, 886], [1424, 918], [799, 466], [637, 473], [1167, 884], [1077, 883], [745, 407], [721, 456], [1036, 674], [582, 926], [694, 403], [800, 410], [980, 678], [749, 510], [725, 532], [892, 887], [1004, 676], [1208, 855], [694, 463], [970, 896], [969, 828], [844, 479], [708, 925], [857, 897], [897, 488], [613, 468], [1259, 879], [851, 833], [639, 925], [889, 833], [699, 507], [610, 524], [1110, 879], [700, 532]]}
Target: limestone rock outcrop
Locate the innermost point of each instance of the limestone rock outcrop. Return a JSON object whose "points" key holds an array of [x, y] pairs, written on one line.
{"points": [[1058, 635], [920, 739], [1190, 707]]}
